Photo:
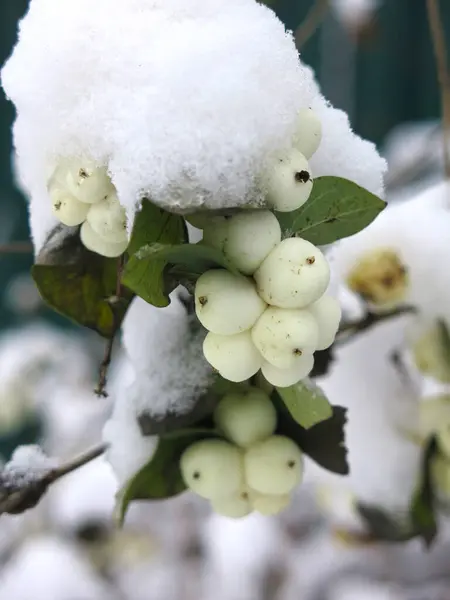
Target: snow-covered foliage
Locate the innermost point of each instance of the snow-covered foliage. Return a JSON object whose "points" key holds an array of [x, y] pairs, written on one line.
{"points": [[122, 100]]}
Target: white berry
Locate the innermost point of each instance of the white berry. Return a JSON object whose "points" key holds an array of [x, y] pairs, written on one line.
{"points": [[274, 466], [282, 335], [212, 468], [67, 208], [327, 313], [286, 377], [226, 303], [294, 275], [269, 504], [233, 507], [233, 356], [89, 183], [246, 238], [108, 219], [215, 230], [288, 183], [308, 136], [92, 241], [247, 417]]}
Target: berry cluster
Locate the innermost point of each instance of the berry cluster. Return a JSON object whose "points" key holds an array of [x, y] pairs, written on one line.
{"points": [[83, 194], [254, 470], [275, 315]]}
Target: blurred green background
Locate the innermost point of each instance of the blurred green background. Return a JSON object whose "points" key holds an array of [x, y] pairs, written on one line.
{"points": [[383, 76]]}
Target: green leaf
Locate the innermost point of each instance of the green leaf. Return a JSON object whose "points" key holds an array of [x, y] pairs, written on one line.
{"points": [[156, 269], [422, 509], [384, 527], [307, 403], [336, 209], [153, 224], [80, 284], [161, 477], [324, 443]]}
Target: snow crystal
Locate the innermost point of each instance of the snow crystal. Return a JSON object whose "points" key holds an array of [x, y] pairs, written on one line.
{"points": [[417, 231], [184, 101], [28, 464], [171, 371]]}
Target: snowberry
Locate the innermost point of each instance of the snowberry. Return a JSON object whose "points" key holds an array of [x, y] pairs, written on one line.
{"points": [[286, 377], [215, 232], [295, 274], [381, 278], [443, 439], [67, 208], [246, 238], [226, 303], [212, 468], [309, 132], [274, 466], [327, 313], [282, 335], [432, 413], [89, 183], [288, 183], [247, 417], [234, 507], [108, 219], [269, 504], [233, 356], [94, 242], [430, 353]]}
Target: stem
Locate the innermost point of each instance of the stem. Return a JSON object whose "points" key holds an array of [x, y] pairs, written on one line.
{"points": [[311, 23], [104, 367], [348, 330], [77, 462], [440, 52], [16, 248]]}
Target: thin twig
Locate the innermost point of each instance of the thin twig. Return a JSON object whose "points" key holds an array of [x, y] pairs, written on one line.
{"points": [[440, 52], [311, 23], [114, 302], [16, 248], [351, 328], [76, 463]]}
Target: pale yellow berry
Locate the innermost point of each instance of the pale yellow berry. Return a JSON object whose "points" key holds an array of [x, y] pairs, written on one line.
{"points": [[327, 313], [294, 275], [283, 335], [66, 208], [226, 303], [286, 377], [108, 219], [269, 504], [308, 136], [212, 469], [233, 507], [274, 466], [92, 241], [288, 183], [233, 356], [246, 418]]}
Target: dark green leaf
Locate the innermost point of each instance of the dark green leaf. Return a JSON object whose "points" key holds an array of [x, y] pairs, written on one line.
{"points": [[384, 527], [161, 477], [422, 510], [324, 443], [307, 403], [80, 284], [149, 270], [155, 225], [336, 209]]}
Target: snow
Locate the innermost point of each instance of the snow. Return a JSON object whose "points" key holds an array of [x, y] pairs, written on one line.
{"points": [[185, 102], [47, 568], [28, 464]]}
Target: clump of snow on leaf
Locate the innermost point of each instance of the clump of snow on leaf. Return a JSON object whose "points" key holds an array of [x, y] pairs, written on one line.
{"points": [[164, 371], [184, 101]]}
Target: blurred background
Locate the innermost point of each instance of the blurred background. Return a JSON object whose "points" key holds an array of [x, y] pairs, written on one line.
{"points": [[374, 59]]}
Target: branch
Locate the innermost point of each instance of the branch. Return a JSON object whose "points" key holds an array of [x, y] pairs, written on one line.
{"points": [[311, 23], [440, 53], [114, 302], [16, 248], [352, 328], [18, 496]]}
